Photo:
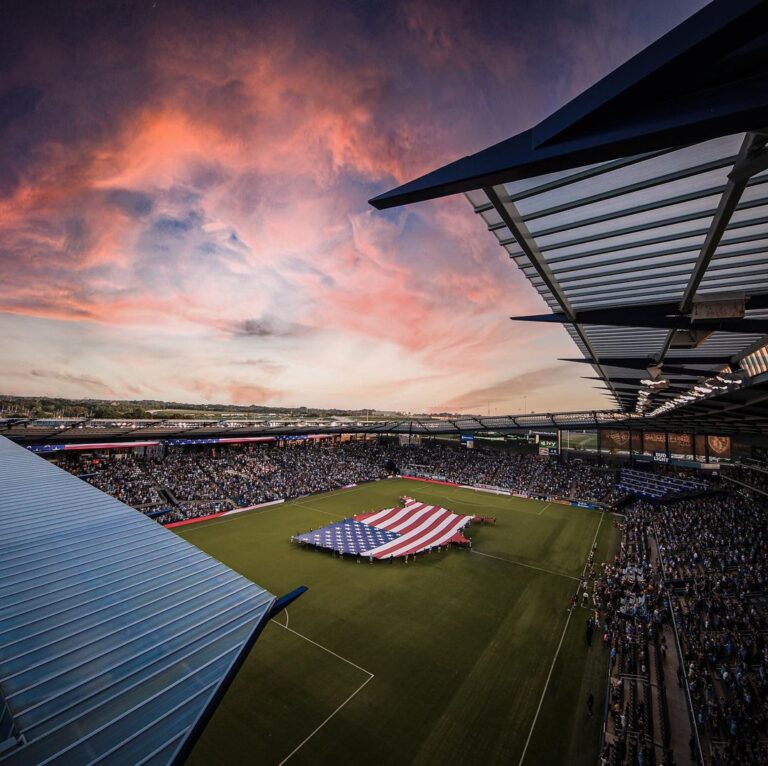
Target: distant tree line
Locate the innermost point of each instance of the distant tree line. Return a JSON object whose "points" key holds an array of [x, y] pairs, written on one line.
{"points": [[149, 409]]}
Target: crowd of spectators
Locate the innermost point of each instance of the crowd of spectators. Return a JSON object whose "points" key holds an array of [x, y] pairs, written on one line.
{"points": [[754, 477], [177, 484], [123, 478], [715, 553], [700, 564], [184, 511], [632, 610], [524, 473], [180, 485], [575, 479]]}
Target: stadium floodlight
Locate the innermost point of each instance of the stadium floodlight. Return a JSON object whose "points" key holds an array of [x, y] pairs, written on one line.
{"points": [[658, 383]]}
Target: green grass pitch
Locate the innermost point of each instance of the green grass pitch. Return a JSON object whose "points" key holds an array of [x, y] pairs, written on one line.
{"points": [[459, 657]]}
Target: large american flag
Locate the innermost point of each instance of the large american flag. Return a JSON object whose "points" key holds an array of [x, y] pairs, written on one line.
{"points": [[411, 528]]}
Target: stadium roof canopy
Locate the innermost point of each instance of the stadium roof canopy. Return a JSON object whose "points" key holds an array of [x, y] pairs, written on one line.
{"points": [[639, 211], [117, 637]]}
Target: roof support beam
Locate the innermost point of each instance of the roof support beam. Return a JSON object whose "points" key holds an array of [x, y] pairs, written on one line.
{"points": [[750, 159], [752, 148], [640, 363], [614, 318], [648, 183], [516, 225]]}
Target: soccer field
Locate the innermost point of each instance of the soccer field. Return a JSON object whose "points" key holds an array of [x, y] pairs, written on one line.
{"points": [[468, 657]]}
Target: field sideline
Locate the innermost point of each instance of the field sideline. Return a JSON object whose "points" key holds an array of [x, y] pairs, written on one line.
{"points": [[460, 656]]}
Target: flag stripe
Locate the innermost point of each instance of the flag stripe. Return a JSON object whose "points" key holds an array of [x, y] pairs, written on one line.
{"points": [[419, 540], [371, 518], [428, 525], [437, 539], [415, 525], [388, 514], [401, 515], [416, 512], [405, 526]]}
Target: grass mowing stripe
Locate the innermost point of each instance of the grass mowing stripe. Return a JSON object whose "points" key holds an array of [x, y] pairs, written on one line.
{"points": [[529, 566], [557, 652]]}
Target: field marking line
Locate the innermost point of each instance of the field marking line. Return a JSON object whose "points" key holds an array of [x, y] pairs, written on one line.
{"points": [[316, 510], [543, 509], [324, 648], [354, 693], [329, 493], [521, 564], [306, 739], [557, 652], [485, 505]]}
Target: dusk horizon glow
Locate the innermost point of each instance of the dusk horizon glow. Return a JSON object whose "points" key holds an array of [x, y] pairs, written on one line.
{"points": [[183, 200]]}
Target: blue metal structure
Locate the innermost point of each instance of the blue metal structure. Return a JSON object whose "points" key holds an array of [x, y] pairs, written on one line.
{"points": [[117, 637]]}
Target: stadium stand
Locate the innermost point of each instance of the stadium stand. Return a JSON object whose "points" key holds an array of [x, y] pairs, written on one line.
{"points": [[751, 476], [656, 486], [183, 485], [698, 567]]}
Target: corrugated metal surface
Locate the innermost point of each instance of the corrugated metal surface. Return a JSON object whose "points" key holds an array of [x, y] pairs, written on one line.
{"points": [[630, 234], [114, 632]]}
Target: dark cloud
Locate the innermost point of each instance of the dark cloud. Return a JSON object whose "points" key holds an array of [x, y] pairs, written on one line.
{"points": [[82, 380], [268, 327], [16, 103], [176, 227], [501, 393], [136, 204]]}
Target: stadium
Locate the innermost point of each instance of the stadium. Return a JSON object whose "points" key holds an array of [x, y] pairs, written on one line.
{"points": [[576, 587]]}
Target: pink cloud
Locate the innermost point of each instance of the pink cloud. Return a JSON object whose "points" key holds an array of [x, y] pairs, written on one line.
{"points": [[220, 179]]}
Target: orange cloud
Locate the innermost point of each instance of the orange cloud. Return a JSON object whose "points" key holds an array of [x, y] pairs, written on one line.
{"points": [[193, 173]]}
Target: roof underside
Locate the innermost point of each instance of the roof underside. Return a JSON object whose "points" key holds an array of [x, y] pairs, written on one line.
{"points": [[629, 235], [116, 636], [639, 211]]}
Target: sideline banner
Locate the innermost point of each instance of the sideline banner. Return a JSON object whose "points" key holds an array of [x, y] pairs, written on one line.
{"points": [[195, 520], [430, 481]]}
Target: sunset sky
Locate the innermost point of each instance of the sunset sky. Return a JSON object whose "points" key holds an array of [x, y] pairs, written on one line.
{"points": [[183, 194]]}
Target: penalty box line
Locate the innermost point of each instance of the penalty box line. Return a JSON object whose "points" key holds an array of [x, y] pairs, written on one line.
{"points": [[347, 700], [557, 651]]}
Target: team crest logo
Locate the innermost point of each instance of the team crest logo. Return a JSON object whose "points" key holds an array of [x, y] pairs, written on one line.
{"points": [[720, 445]]}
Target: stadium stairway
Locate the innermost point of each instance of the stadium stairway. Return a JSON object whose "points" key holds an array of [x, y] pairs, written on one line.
{"points": [[529, 487], [675, 702]]}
